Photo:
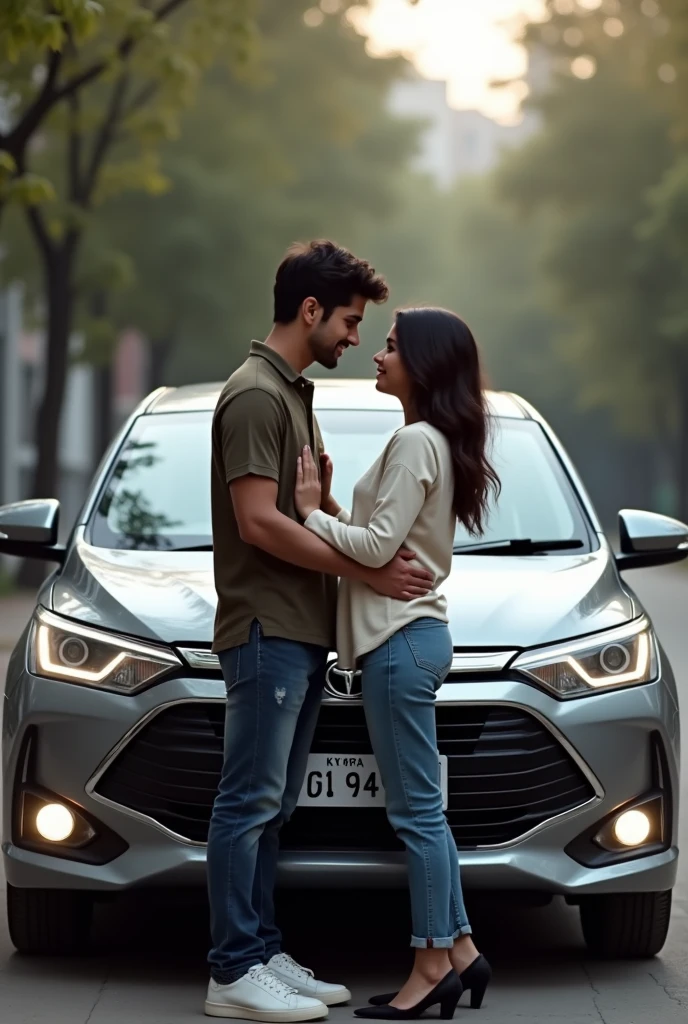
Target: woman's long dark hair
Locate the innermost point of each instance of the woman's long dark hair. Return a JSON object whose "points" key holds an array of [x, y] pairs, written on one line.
{"points": [[441, 356]]}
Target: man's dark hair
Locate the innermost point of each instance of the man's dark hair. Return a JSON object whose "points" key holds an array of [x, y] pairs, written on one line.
{"points": [[326, 272]]}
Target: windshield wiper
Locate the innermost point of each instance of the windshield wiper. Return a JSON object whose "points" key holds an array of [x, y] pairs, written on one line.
{"points": [[518, 546], [193, 547]]}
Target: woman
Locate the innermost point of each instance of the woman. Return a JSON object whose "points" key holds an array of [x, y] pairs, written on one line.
{"points": [[433, 471]]}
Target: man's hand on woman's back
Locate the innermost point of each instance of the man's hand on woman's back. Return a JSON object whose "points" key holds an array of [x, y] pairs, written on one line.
{"points": [[401, 580], [261, 524]]}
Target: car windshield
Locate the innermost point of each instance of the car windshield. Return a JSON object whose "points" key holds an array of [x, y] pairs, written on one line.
{"points": [[158, 493], [536, 501]]}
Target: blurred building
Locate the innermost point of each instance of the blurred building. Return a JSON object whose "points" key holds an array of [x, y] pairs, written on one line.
{"points": [[130, 370], [22, 367], [453, 143]]}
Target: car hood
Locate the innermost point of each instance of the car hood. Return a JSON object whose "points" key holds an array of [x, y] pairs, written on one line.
{"points": [[492, 601]]}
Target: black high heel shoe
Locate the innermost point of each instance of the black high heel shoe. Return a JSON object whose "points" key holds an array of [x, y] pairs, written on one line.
{"points": [[475, 978], [447, 993]]}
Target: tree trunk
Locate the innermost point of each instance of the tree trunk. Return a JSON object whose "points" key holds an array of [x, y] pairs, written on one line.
{"points": [[103, 412], [60, 309], [103, 388], [682, 439], [60, 294]]}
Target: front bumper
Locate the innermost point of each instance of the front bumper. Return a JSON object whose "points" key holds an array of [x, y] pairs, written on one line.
{"points": [[609, 735]]}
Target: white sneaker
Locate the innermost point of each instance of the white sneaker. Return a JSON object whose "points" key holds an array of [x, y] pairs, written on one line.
{"points": [[303, 980], [260, 995]]}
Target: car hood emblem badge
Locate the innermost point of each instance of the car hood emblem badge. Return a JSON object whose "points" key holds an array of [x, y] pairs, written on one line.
{"points": [[341, 683]]}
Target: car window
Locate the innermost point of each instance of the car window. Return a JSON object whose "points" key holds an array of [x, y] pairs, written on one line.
{"points": [[354, 439], [536, 499], [158, 493]]}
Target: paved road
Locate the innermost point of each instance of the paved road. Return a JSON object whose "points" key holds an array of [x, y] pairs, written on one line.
{"points": [[147, 965]]}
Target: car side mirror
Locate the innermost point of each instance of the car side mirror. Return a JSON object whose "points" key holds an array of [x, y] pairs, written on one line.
{"points": [[28, 529], [649, 539]]}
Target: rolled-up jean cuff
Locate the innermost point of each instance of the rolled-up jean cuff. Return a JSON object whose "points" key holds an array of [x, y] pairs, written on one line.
{"points": [[434, 943]]}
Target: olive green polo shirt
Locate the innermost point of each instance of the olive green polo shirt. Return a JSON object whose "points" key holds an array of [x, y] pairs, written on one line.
{"points": [[262, 421]]}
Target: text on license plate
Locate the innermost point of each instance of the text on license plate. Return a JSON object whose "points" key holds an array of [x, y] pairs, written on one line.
{"points": [[339, 780]]}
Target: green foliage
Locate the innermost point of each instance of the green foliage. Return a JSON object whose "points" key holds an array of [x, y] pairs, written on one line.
{"points": [[466, 250], [99, 339], [91, 92], [31, 25], [119, 71], [604, 145], [260, 162], [7, 584], [8, 166], [608, 174], [665, 234], [28, 190]]}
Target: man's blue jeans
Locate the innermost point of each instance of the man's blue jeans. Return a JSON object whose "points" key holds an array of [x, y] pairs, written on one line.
{"points": [[274, 689], [399, 680]]}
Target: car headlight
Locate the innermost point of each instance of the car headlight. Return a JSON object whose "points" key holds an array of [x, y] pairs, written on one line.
{"points": [[620, 657], [73, 653]]}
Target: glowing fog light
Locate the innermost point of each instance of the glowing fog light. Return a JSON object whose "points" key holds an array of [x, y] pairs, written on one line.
{"points": [[55, 822], [632, 828]]}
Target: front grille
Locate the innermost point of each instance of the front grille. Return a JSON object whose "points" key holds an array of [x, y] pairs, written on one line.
{"points": [[507, 774]]}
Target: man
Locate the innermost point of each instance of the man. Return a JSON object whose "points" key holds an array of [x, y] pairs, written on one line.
{"points": [[276, 584]]}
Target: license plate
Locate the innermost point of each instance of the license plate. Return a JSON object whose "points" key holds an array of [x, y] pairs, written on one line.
{"points": [[338, 780]]}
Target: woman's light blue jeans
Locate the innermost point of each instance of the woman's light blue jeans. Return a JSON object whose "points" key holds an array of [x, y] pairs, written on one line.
{"points": [[400, 680]]}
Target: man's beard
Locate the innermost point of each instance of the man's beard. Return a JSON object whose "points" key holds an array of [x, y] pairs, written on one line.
{"points": [[328, 356], [328, 359]]}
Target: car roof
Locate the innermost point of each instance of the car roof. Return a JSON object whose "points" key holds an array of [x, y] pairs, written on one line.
{"points": [[329, 394]]}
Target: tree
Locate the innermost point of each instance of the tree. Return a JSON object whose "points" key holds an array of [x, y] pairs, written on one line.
{"points": [[665, 230], [664, 237], [465, 250], [50, 52], [32, 38], [606, 143], [261, 163], [113, 82]]}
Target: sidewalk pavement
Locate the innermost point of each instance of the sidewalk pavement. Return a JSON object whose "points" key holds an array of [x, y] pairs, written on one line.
{"points": [[15, 612]]}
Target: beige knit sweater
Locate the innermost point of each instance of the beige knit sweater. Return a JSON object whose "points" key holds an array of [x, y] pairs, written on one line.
{"points": [[405, 498]]}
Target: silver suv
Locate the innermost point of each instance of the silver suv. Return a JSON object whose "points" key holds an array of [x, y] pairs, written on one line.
{"points": [[558, 725]]}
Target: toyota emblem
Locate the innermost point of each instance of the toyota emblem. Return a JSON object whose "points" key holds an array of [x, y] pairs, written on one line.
{"points": [[342, 683]]}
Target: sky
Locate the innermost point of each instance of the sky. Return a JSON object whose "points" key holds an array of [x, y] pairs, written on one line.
{"points": [[467, 42]]}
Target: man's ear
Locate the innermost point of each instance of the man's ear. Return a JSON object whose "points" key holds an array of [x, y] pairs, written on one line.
{"points": [[310, 308]]}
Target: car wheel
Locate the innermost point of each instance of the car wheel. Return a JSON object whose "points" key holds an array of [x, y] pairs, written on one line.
{"points": [[626, 925], [49, 921]]}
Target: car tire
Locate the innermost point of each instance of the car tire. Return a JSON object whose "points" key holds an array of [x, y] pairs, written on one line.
{"points": [[626, 926], [49, 921]]}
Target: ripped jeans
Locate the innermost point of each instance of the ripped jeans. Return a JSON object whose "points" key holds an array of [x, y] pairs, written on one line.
{"points": [[274, 689], [399, 680]]}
